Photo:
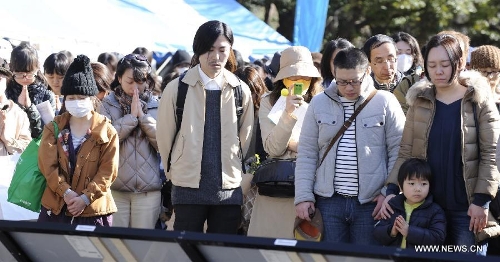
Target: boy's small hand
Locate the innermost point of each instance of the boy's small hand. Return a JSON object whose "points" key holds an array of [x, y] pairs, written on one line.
{"points": [[394, 230], [401, 225]]}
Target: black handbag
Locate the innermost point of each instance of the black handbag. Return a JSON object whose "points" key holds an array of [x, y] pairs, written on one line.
{"points": [[275, 178]]}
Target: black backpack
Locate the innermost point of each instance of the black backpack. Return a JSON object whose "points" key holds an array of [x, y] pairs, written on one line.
{"points": [[179, 111]]}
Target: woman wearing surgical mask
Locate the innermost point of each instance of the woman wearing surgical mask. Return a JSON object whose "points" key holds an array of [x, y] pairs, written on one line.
{"points": [[410, 62], [82, 163], [275, 216], [409, 57], [132, 109]]}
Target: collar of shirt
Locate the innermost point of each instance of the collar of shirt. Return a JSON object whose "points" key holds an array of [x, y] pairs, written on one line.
{"points": [[211, 83]]}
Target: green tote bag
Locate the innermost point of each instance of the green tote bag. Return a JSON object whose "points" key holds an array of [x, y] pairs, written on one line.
{"points": [[28, 183]]}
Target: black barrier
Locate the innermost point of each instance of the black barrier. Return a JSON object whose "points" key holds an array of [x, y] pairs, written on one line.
{"points": [[29, 241]]}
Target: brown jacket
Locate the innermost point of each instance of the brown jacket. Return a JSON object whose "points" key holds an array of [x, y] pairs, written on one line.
{"points": [[480, 176], [96, 167]]}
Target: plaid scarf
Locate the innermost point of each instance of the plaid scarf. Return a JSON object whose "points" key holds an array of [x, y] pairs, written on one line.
{"points": [[126, 100]]}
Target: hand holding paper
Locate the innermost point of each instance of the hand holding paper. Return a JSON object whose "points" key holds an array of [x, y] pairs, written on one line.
{"points": [[46, 111]]}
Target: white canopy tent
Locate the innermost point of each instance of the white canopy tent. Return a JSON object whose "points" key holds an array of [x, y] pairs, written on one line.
{"points": [[95, 26]]}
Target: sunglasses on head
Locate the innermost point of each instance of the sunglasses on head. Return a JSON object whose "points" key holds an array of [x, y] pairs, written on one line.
{"points": [[137, 57]]}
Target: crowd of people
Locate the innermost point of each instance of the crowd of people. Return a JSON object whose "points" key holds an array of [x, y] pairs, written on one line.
{"points": [[394, 143]]}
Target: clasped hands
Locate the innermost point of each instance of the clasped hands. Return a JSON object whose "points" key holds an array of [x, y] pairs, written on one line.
{"points": [[75, 203]]}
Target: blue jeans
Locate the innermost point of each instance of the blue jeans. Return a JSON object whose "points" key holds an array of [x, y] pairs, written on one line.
{"points": [[345, 220], [457, 232]]}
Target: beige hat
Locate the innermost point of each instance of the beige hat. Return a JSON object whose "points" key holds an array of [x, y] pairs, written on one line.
{"points": [[486, 56], [296, 61]]}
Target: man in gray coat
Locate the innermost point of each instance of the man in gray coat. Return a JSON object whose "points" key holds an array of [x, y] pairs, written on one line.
{"points": [[347, 186]]}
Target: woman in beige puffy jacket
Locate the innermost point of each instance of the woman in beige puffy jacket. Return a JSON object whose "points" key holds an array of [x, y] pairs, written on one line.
{"points": [[132, 110]]}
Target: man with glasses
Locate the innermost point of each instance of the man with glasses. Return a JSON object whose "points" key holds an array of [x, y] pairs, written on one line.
{"points": [[486, 59], [382, 55], [347, 186]]}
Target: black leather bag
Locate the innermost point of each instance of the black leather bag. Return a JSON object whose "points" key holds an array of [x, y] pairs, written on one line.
{"points": [[276, 178], [495, 206]]}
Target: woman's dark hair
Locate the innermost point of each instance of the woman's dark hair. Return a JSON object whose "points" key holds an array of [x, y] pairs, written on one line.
{"points": [[328, 49], [251, 77], [314, 89], [414, 168], [143, 51], [24, 58], [205, 37], [103, 77], [56, 63], [141, 70], [415, 48], [452, 46], [108, 59]]}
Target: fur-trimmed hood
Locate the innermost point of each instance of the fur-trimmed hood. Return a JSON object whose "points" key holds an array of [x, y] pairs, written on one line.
{"points": [[472, 79]]}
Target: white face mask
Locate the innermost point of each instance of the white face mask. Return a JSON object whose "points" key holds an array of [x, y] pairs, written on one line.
{"points": [[404, 62], [181, 70], [79, 108]]}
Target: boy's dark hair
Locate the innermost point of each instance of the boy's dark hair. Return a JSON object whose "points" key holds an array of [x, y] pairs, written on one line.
{"points": [[56, 63], [414, 168], [350, 58]]}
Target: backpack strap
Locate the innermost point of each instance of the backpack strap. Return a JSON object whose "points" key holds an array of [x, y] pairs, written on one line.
{"points": [[181, 98], [179, 111], [238, 102]]}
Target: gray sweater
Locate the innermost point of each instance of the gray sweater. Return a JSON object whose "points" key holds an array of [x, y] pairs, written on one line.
{"points": [[379, 127]]}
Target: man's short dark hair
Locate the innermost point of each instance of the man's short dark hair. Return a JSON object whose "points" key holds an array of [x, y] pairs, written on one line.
{"points": [[414, 168], [350, 58], [376, 41]]}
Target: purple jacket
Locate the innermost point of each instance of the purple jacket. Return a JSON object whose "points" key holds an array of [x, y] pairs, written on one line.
{"points": [[427, 224]]}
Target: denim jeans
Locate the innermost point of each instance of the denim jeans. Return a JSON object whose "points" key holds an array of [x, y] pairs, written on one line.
{"points": [[345, 220], [457, 232]]}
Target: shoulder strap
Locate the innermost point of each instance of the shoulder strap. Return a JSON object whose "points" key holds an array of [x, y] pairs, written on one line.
{"points": [[182, 89], [347, 124], [181, 98], [56, 129], [238, 102]]}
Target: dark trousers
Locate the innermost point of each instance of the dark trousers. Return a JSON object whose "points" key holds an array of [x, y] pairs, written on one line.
{"points": [[223, 219]]}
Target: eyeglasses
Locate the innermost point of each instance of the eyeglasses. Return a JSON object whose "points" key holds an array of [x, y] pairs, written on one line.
{"points": [[351, 82], [490, 75], [29, 76], [380, 61]]}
